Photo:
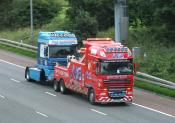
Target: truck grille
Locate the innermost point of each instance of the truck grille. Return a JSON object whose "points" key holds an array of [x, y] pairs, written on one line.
{"points": [[116, 83]]}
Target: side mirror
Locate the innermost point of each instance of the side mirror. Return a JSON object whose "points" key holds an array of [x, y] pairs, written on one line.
{"points": [[135, 65], [46, 51], [97, 68]]}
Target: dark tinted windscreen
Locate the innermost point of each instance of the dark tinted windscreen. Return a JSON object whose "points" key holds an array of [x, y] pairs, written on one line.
{"points": [[61, 51], [110, 68]]}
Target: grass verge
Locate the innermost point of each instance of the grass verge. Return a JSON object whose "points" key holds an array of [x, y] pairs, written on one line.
{"points": [[18, 51], [155, 88]]}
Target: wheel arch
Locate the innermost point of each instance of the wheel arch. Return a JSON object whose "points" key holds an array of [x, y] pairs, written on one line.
{"points": [[89, 88], [42, 75]]}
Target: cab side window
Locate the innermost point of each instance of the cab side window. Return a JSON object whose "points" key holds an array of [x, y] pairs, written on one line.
{"points": [[43, 51]]}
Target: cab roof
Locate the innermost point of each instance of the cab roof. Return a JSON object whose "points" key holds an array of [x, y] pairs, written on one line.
{"points": [[101, 42], [106, 48], [57, 38]]}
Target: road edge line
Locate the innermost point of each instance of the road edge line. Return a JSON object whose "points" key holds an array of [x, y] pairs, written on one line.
{"points": [[15, 80], [160, 112], [12, 64], [2, 97], [50, 94], [42, 114], [98, 112]]}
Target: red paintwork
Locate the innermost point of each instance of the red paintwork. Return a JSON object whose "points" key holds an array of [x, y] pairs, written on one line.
{"points": [[80, 74]]}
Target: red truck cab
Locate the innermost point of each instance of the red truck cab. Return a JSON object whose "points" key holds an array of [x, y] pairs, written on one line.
{"points": [[104, 73]]}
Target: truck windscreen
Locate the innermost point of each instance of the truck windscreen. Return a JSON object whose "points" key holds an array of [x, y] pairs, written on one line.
{"points": [[116, 67], [61, 51]]}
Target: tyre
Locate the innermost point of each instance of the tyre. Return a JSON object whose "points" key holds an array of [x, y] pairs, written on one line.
{"points": [[56, 86], [63, 88], [91, 96], [42, 77], [27, 74]]}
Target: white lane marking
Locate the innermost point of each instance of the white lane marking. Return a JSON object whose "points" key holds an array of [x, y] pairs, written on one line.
{"points": [[94, 109], [50, 94], [154, 110], [98, 112], [44, 115], [2, 97], [15, 80], [12, 64]]}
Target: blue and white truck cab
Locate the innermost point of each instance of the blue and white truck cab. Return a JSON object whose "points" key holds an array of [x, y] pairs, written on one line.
{"points": [[53, 48]]}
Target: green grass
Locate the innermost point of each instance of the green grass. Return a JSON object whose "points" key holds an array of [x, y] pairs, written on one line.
{"points": [[108, 33], [18, 51], [155, 88], [20, 34]]}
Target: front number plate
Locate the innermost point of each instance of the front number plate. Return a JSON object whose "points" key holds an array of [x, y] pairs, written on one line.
{"points": [[117, 94]]}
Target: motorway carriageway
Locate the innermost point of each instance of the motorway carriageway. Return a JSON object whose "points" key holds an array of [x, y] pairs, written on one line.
{"points": [[30, 102]]}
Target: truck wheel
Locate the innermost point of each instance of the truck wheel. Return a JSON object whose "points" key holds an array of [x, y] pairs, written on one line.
{"points": [[63, 89], [56, 86], [27, 75], [42, 77], [91, 96]]}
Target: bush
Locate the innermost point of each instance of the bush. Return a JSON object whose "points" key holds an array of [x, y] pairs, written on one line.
{"points": [[108, 33], [102, 10], [87, 25]]}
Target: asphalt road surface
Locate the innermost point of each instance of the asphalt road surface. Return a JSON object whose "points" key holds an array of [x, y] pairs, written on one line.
{"points": [[31, 102]]}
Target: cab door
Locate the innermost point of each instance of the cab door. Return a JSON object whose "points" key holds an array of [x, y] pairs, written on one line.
{"points": [[42, 55]]}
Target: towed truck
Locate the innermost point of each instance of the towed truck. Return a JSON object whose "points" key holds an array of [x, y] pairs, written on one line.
{"points": [[53, 47], [104, 72]]}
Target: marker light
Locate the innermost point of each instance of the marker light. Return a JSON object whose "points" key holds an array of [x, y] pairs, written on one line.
{"points": [[114, 49], [102, 54], [118, 49]]}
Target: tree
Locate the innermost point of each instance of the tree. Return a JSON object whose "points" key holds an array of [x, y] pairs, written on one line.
{"points": [[4, 12], [140, 12], [86, 25], [102, 10], [159, 15], [164, 20], [19, 13]]}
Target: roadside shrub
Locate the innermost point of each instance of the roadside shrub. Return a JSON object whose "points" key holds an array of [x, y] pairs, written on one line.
{"points": [[108, 33]]}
